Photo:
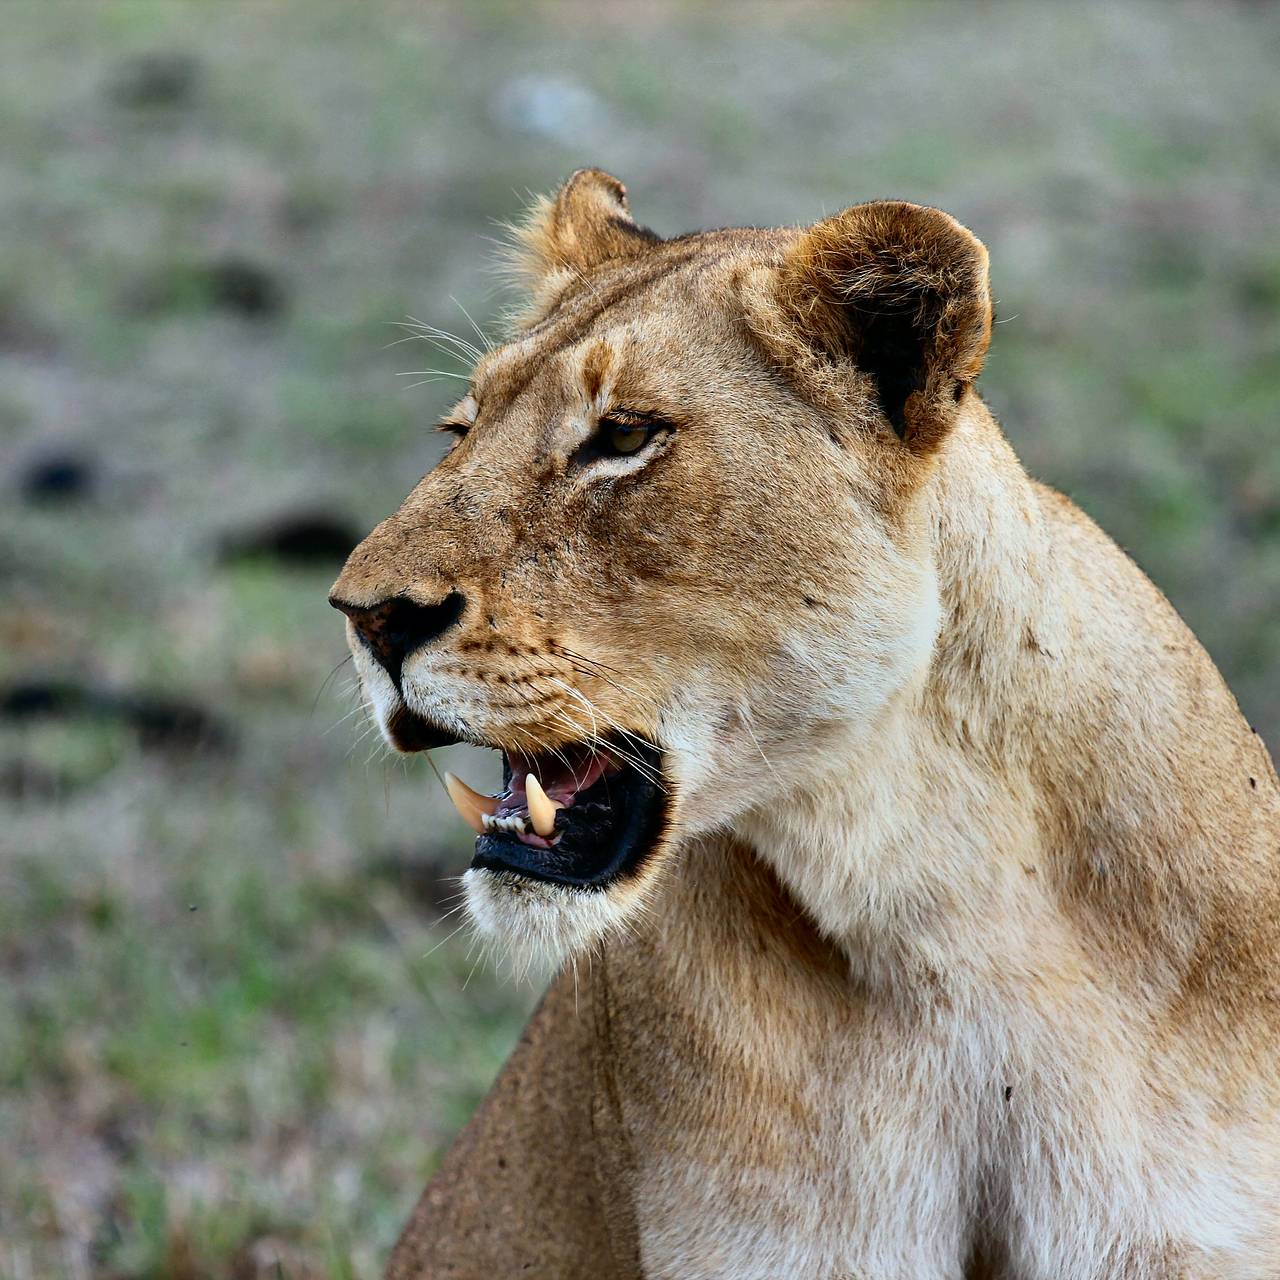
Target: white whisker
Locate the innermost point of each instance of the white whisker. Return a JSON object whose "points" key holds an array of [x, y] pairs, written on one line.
{"points": [[480, 333]]}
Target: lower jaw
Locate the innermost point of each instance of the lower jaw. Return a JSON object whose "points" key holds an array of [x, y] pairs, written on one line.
{"points": [[594, 850], [550, 866]]}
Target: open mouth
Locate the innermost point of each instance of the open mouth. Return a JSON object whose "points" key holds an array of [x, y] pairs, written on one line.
{"points": [[581, 816]]}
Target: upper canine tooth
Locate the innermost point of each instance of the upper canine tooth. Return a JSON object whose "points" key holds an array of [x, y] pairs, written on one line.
{"points": [[542, 808], [471, 805]]}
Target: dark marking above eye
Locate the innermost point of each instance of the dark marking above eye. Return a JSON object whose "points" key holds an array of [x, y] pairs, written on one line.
{"points": [[595, 367]]}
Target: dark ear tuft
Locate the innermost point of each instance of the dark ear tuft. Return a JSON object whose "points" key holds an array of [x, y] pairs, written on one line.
{"points": [[900, 291], [586, 223]]}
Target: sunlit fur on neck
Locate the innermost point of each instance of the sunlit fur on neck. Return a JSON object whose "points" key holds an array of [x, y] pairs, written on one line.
{"points": [[948, 846]]}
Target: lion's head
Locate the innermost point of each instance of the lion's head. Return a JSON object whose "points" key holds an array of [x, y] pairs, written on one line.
{"points": [[675, 560]]}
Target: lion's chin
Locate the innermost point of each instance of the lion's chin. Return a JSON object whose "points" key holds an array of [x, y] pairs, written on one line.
{"points": [[534, 926]]}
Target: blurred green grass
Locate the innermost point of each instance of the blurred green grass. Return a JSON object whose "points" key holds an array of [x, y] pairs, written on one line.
{"points": [[235, 1033]]}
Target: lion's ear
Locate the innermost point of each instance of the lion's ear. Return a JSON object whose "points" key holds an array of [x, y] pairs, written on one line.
{"points": [[585, 223], [901, 292]]}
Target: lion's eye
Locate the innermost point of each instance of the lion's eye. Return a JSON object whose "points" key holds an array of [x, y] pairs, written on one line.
{"points": [[624, 437], [624, 432], [621, 433]]}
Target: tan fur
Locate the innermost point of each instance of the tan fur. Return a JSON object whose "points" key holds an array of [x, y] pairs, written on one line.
{"points": [[960, 957]]}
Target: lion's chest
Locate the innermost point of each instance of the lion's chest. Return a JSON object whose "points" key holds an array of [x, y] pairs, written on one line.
{"points": [[833, 1136], [829, 1154]]}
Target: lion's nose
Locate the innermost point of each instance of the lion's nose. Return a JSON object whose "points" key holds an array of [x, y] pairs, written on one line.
{"points": [[398, 627]]}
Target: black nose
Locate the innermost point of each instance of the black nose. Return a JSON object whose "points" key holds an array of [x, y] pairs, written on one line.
{"points": [[398, 627]]}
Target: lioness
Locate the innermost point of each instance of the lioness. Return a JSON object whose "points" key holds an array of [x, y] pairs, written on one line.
{"points": [[921, 873]]}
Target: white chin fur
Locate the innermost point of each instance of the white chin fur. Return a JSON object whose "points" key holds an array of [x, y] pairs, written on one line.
{"points": [[536, 927]]}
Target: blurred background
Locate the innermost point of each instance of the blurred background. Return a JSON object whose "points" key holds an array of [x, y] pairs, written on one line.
{"points": [[236, 1031]]}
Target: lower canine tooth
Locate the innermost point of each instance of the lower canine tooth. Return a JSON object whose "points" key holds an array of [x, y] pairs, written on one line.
{"points": [[472, 807], [542, 808]]}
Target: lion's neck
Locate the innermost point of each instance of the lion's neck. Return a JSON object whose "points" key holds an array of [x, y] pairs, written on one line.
{"points": [[1005, 802]]}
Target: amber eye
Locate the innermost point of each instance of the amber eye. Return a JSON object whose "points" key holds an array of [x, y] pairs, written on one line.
{"points": [[626, 431], [622, 433], [625, 437]]}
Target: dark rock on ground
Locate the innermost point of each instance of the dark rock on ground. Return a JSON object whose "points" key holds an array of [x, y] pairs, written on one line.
{"points": [[60, 475], [159, 78], [162, 723], [245, 288], [301, 538], [234, 284]]}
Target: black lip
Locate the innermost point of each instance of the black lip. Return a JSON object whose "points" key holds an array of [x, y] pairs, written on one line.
{"points": [[606, 835], [411, 732]]}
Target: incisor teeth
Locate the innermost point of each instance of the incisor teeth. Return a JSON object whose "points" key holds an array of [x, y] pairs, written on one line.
{"points": [[513, 823], [542, 808], [471, 805]]}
